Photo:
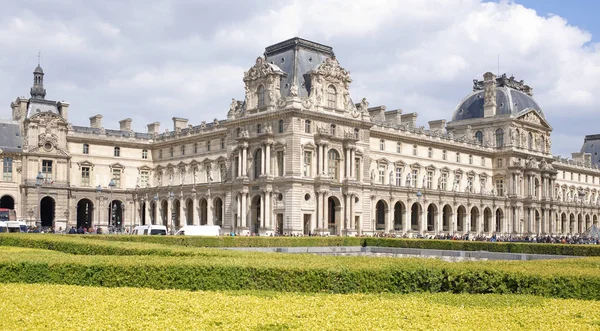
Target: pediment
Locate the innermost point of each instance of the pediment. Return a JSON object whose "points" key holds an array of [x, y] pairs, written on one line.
{"points": [[85, 163], [533, 117]]}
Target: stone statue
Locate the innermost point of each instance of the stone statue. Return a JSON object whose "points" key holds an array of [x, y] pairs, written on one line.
{"points": [[294, 90], [271, 97], [170, 177], [408, 179], [424, 184], [439, 183], [363, 107], [195, 175]]}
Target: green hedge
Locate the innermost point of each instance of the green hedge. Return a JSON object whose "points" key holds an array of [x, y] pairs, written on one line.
{"points": [[504, 247], [403, 278]]}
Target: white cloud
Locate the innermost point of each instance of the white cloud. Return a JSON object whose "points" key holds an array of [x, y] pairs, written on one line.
{"points": [[417, 55]]}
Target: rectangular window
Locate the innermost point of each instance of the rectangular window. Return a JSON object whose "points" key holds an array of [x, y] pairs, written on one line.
{"points": [[7, 169], [500, 163], [500, 187], [160, 154], [85, 176], [86, 149], [415, 150], [307, 126], [47, 170], [280, 163], [182, 149], [307, 164], [398, 176], [571, 176], [429, 179], [444, 155], [116, 174], [357, 168], [195, 148], [144, 178], [144, 154], [398, 147], [470, 159], [443, 181], [382, 145], [457, 157], [483, 161], [381, 174], [578, 177], [413, 178], [222, 143], [430, 152], [208, 145]]}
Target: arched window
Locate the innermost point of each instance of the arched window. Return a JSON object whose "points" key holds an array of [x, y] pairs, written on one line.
{"points": [[331, 97], [117, 152], [260, 92], [333, 164], [499, 138], [332, 129], [479, 137], [280, 126], [530, 141], [237, 132], [86, 149], [257, 163]]}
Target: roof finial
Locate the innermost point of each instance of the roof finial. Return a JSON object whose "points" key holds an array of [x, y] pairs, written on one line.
{"points": [[39, 57]]}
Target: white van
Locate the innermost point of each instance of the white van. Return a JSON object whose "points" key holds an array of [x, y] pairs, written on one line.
{"points": [[199, 230], [150, 230], [3, 227], [16, 226]]}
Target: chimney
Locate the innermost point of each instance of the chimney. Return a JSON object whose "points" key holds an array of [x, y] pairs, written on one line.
{"points": [[409, 119], [63, 109], [179, 123], [438, 125], [489, 94], [125, 125], [96, 121], [153, 128]]}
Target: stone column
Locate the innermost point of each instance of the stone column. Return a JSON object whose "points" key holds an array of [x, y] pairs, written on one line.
{"points": [[347, 164], [182, 215], [318, 208], [440, 221], [170, 214], [406, 219], [195, 218], [268, 159], [209, 211], [390, 218], [244, 161], [240, 157], [243, 211], [346, 221], [268, 209], [148, 212], [352, 212], [352, 163], [319, 159], [325, 212]]}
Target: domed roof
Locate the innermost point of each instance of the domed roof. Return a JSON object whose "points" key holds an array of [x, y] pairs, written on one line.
{"points": [[510, 100], [38, 70]]}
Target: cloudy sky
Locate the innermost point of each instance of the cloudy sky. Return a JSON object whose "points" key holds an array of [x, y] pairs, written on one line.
{"points": [[153, 60]]}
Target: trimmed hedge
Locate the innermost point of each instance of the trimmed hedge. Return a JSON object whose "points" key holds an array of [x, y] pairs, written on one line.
{"points": [[503, 247], [185, 274]]}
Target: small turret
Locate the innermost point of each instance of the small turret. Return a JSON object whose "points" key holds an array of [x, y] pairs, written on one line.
{"points": [[37, 90]]}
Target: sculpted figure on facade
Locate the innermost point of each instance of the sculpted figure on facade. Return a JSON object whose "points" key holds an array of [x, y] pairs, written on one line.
{"points": [[408, 179]]}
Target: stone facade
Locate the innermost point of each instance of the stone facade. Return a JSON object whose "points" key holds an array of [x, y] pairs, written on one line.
{"points": [[299, 156]]}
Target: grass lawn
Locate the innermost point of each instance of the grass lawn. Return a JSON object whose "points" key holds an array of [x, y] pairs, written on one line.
{"points": [[63, 307]]}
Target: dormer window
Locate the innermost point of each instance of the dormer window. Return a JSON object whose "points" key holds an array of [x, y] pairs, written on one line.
{"points": [[261, 96], [479, 137], [331, 97]]}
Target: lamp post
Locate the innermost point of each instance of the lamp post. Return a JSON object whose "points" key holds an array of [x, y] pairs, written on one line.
{"points": [[171, 198], [39, 179], [111, 185], [142, 211], [581, 195]]}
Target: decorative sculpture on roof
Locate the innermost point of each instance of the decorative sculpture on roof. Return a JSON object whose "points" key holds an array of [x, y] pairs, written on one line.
{"points": [[363, 107], [294, 90], [261, 69], [331, 69], [503, 81]]}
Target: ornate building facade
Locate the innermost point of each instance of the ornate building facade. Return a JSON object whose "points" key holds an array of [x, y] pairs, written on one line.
{"points": [[299, 156]]}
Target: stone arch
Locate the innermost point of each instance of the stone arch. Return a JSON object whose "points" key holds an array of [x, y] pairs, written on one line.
{"points": [[47, 211], [164, 209], [487, 220], [115, 214], [572, 223], [203, 205], [461, 219], [415, 216], [334, 214], [218, 211], [579, 223], [536, 221], [595, 220], [85, 213], [255, 212], [432, 211], [564, 223], [499, 220], [399, 210], [588, 222], [474, 219], [7, 201], [189, 212], [176, 214], [381, 210], [447, 218]]}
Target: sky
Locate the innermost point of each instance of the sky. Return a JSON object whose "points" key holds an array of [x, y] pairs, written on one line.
{"points": [[154, 60]]}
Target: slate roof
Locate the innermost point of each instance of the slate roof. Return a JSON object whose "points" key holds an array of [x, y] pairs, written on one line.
{"points": [[10, 137], [508, 102]]}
